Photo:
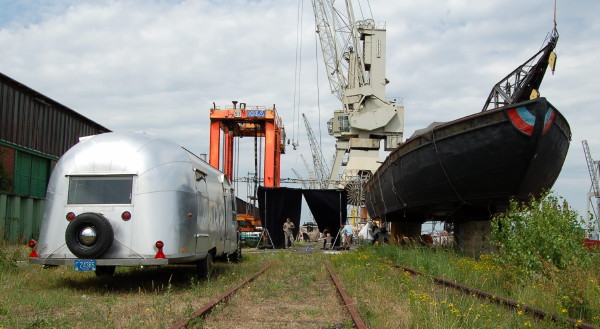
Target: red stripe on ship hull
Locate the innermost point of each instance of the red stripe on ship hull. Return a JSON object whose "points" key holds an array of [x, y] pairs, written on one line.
{"points": [[516, 119], [548, 124]]}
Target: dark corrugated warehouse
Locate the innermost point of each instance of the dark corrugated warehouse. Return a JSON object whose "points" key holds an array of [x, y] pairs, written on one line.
{"points": [[34, 132]]}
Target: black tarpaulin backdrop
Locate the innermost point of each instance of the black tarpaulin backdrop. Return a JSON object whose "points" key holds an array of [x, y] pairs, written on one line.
{"points": [[328, 207]]}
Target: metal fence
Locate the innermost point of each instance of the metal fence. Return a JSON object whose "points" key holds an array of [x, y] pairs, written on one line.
{"points": [[20, 217]]}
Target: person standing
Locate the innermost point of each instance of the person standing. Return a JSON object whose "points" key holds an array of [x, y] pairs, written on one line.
{"points": [[348, 234], [288, 228], [326, 237]]}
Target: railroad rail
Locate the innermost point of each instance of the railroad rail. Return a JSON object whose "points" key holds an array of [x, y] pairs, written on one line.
{"points": [[205, 310], [348, 303], [351, 309], [208, 307], [499, 300]]}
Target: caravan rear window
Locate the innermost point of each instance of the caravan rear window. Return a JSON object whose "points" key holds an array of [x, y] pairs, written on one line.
{"points": [[100, 190]]}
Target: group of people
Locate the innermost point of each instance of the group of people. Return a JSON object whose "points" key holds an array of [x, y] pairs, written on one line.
{"points": [[346, 232]]}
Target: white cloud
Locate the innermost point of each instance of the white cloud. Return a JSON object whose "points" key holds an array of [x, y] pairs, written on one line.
{"points": [[159, 65]]}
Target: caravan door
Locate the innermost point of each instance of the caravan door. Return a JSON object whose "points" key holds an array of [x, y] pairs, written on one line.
{"points": [[231, 225], [202, 218]]}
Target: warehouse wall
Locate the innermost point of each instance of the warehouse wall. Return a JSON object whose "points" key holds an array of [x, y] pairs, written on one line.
{"points": [[34, 132], [33, 121], [20, 217]]}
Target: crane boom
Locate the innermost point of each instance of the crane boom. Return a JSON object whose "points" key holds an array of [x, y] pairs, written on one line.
{"points": [[324, 23], [300, 179], [321, 168], [592, 167], [523, 83]]}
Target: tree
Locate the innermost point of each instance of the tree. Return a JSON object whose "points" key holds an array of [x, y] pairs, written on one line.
{"points": [[540, 236]]}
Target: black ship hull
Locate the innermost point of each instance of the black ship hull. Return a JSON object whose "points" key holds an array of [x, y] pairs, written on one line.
{"points": [[470, 168]]}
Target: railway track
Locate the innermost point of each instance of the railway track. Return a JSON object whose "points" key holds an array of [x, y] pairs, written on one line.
{"points": [[260, 301], [292, 310], [208, 307], [512, 304]]}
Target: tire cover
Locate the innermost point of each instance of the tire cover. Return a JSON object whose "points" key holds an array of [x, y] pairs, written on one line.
{"points": [[104, 235]]}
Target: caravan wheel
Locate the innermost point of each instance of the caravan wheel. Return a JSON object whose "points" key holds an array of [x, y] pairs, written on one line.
{"points": [[89, 235], [236, 256], [204, 266]]}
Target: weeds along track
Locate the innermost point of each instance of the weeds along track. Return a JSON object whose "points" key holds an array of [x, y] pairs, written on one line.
{"points": [[283, 294], [512, 304]]}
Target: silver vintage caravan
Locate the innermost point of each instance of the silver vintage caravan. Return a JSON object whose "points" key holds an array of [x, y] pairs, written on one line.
{"points": [[119, 199]]}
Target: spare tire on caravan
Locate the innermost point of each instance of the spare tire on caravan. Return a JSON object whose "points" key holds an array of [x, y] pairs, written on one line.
{"points": [[129, 199]]}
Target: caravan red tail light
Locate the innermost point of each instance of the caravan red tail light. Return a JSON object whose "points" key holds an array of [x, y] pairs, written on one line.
{"points": [[70, 216], [159, 245], [126, 215], [32, 243]]}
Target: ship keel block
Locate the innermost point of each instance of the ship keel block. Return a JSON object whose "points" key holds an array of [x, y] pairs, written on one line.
{"points": [[472, 237]]}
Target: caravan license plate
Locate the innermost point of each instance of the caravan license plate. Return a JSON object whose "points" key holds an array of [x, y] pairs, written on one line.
{"points": [[85, 265]]}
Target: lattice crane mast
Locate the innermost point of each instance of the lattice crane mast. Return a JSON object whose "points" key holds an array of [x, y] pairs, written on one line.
{"points": [[594, 169], [321, 168], [524, 82], [354, 56], [300, 179]]}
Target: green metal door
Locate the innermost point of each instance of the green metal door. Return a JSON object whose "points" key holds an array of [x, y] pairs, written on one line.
{"points": [[31, 174], [39, 176], [22, 173]]}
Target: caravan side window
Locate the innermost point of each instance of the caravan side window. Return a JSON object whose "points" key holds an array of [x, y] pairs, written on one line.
{"points": [[100, 189]]}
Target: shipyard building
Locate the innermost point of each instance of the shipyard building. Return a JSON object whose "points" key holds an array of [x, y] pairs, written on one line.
{"points": [[35, 131]]}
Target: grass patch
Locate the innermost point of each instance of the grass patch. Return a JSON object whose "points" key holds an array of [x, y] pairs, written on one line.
{"points": [[151, 297], [431, 306], [296, 292]]}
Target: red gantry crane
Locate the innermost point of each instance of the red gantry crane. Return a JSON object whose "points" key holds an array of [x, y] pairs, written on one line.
{"points": [[245, 121]]}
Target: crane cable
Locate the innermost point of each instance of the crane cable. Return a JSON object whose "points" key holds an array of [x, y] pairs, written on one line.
{"points": [[297, 74], [318, 88], [555, 31], [361, 10], [300, 69]]}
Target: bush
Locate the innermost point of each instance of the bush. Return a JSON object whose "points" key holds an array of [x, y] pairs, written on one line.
{"points": [[10, 254], [540, 237]]}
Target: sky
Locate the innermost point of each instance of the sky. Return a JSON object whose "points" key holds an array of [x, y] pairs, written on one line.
{"points": [[158, 65]]}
